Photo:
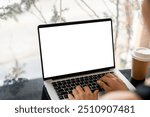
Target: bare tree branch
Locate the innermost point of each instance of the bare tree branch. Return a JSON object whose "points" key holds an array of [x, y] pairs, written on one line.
{"points": [[108, 8], [82, 8], [14, 9], [36, 16], [89, 8], [60, 9], [40, 13], [129, 19], [117, 24], [56, 16]]}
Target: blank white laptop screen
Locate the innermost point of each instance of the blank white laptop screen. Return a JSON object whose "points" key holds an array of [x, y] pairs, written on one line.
{"points": [[76, 48]]}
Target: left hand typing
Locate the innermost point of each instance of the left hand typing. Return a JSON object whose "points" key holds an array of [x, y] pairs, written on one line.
{"points": [[83, 94]]}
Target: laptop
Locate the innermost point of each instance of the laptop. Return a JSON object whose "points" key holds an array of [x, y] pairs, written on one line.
{"points": [[76, 53]]}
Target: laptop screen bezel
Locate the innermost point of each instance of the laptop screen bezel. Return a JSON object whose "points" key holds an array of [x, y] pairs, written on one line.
{"points": [[74, 23]]}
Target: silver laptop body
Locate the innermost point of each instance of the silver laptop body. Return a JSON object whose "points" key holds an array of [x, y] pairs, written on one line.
{"points": [[76, 49]]}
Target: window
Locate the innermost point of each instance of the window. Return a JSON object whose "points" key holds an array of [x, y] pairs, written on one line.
{"points": [[19, 20]]}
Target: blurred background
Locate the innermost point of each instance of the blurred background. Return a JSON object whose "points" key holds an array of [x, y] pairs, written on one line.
{"points": [[19, 49]]}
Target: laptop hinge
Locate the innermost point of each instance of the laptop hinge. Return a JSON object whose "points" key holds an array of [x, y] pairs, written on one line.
{"points": [[49, 80], [111, 69]]}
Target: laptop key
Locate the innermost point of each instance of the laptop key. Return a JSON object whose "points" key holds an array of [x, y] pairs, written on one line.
{"points": [[66, 95], [63, 88], [54, 84], [57, 87], [70, 91], [77, 83], [59, 82], [63, 82], [73, 87], [68, 81], [62, 93], [66, 88], [81, 83], [61, 97], [72, 80], [60, 90], [68, 85]]}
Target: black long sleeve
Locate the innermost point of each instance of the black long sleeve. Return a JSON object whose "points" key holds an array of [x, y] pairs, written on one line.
{"points": [[143, 91]]}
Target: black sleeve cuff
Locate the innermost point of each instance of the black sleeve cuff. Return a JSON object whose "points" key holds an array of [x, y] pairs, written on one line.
{"points": [[143, 91]]}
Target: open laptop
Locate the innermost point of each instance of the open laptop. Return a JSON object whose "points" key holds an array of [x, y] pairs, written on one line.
{"points": [[76, 53]]}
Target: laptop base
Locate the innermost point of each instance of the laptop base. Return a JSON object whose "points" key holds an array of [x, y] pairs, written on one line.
{"points": [[48, 86]]}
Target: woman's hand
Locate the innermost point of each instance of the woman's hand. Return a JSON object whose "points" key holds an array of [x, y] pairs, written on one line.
{"points": [[111, 82], [83, 94]]}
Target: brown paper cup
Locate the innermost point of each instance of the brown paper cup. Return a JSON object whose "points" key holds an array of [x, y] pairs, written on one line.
{"points": [[140, 64]]}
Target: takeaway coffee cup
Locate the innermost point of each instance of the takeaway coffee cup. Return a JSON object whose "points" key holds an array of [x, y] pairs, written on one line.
{"points": [[140, 64]]}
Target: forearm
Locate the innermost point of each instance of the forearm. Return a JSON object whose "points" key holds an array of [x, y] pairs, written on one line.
{"points": [[120, 95]]}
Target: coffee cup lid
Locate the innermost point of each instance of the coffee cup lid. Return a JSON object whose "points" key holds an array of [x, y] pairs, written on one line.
{"points": [[142, 54]]}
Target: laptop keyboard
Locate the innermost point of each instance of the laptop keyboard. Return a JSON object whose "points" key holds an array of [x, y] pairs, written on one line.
{"points": [[65, 87]]}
